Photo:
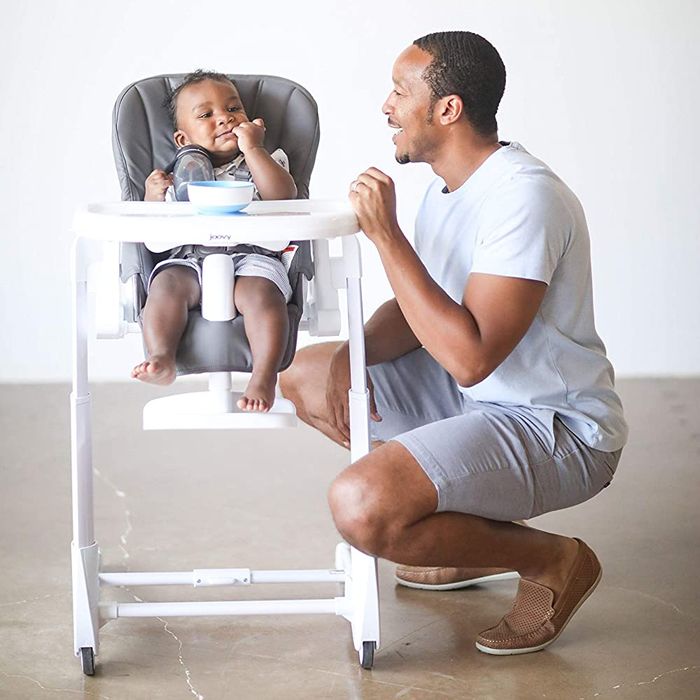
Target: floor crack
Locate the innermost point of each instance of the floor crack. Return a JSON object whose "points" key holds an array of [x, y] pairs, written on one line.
{"points": [[82, 692], [666, 673], [674, 607], [123, 539]]}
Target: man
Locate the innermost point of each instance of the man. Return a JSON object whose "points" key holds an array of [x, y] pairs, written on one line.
{"points": [[492, 396]]}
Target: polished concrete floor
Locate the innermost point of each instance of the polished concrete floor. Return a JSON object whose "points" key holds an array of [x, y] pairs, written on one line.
{"points": [[196, 500]]}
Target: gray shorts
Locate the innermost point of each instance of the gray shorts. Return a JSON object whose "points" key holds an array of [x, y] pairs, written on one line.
{"points": [[494, 461], [244, 265]]}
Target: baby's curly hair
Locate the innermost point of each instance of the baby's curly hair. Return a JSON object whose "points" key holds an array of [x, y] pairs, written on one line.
{"points": [[196, 76]]}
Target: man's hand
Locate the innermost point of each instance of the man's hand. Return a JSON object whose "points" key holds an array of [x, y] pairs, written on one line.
{"points": [[156, 185], [250, 135], [373, 197], [337, 395]]}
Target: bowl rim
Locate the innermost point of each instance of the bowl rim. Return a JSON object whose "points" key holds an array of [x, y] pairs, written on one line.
{"points": [[230, 184]]}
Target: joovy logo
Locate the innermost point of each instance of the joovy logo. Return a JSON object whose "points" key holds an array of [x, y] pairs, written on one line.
{"points": [[219, 237]]}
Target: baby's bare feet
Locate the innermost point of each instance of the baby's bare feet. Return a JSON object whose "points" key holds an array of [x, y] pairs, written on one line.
{"points": [[259, 395], [157, 369]]}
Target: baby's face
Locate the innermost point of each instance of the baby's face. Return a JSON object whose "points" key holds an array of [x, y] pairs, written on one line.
{"points": [[206, 114]]}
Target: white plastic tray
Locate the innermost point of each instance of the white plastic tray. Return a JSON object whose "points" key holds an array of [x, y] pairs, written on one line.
{"points": [[178, 222]]}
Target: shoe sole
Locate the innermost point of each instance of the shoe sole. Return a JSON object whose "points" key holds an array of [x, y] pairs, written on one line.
{"points": [[539, 647], [454, 585]]}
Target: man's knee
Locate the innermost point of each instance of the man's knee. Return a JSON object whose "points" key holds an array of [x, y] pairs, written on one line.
{"points": [[292, 379], [356, 506], [303, 374]]}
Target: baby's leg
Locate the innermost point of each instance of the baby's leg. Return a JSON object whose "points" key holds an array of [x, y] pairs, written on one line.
{"points": [[173, 292], [264, 311]]}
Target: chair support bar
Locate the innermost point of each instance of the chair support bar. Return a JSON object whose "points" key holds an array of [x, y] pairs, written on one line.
{"points": [[221, 577], [333, 606]]}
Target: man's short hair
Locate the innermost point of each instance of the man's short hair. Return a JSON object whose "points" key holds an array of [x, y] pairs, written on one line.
{"points": [[196, 76], [467, 65]]}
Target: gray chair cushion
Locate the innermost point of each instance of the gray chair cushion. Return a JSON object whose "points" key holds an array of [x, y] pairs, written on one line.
{"points": [[142, 141]]}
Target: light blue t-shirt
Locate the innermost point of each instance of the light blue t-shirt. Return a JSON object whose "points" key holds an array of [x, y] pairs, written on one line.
{"points": [[514, 217]]}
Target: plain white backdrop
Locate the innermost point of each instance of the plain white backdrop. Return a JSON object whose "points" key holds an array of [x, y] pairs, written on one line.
{"points": [[606, 92]]}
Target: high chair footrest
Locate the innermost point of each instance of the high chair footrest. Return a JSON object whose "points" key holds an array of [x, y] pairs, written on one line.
{"points": [[332, 606], [213, 410], [221, 577]]}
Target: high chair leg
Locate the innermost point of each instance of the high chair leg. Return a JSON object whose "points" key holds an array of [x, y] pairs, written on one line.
{"points": [[364, 592], [84, 550]]}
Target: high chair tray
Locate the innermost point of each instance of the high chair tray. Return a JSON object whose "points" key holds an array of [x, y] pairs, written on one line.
{"points": [[179, 222]]}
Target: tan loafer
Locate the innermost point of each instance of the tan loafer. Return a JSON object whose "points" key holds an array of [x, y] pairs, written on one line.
{"points": [[536, 620], [443, 578]]}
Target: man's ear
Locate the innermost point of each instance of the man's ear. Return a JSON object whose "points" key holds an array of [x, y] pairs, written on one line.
{"points": [[180, 138], [449, 109]]}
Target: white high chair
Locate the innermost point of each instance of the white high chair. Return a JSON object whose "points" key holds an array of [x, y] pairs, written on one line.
{"points": [[100, 230]]}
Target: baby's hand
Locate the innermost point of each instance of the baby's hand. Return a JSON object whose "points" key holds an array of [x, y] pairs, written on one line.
{"points": [[250, 135], [156, 185]]}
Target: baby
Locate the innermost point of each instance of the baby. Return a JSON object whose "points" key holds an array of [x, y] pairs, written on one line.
{"points": [[207, 111]]}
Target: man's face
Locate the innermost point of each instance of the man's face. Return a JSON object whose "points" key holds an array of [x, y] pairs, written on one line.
{"points": [[408, 108], [206, 114]]}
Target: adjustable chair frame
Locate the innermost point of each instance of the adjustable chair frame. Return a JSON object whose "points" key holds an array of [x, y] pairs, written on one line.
{"points": [[142, 140], [94, 227]]}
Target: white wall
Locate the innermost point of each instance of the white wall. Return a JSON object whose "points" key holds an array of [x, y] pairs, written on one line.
{"points": [[605, 92]]}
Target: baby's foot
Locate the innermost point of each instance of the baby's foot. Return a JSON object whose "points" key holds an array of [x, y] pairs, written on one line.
{"points": [[259, 395], [157, 369]]}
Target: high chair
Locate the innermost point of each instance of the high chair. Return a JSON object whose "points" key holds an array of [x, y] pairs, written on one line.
{"points": [[109, 239]]}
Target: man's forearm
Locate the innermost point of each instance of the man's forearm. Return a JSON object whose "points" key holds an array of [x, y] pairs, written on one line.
{"points": [[445, 328], [388, 335]]}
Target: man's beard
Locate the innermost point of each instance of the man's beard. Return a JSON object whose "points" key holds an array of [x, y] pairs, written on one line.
{"points": [[403, 158]]}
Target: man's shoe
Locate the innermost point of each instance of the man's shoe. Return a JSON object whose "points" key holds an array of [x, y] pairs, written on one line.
{"points": [[442, 578], [536, 620]]}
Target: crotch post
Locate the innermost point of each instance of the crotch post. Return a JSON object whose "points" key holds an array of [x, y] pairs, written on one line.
{"points": [[217, 288]]}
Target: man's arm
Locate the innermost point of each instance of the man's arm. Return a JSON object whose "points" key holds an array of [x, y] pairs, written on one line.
{"points": [[388, 335], [469, 339]]}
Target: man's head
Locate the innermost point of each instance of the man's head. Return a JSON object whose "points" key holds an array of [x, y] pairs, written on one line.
{"points": [[443, 79], [204, 109]]}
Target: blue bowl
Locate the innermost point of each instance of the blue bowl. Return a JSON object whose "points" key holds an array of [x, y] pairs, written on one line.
{"points": [[220, 197]]}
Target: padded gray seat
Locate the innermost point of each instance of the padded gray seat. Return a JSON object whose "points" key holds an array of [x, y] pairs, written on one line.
{"points": [[142, 141]]}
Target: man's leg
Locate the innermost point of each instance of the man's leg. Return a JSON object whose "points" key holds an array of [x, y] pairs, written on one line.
{"points": [[451, 578], [403, 526], [557, 573], [304, 383]]}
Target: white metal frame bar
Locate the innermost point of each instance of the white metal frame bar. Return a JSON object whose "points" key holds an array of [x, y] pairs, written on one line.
{"points": [[221, 577], [330, 606]]}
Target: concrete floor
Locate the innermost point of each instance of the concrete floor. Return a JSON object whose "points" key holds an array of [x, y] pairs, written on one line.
{"points": [[194, 500]]}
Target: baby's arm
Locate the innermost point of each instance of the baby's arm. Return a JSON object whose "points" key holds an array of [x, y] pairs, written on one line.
{"points": [[157, 184], [271, 179]]}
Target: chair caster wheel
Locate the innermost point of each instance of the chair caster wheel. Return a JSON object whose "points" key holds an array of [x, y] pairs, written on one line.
{"points": [[87, 660], [367, 654]]}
